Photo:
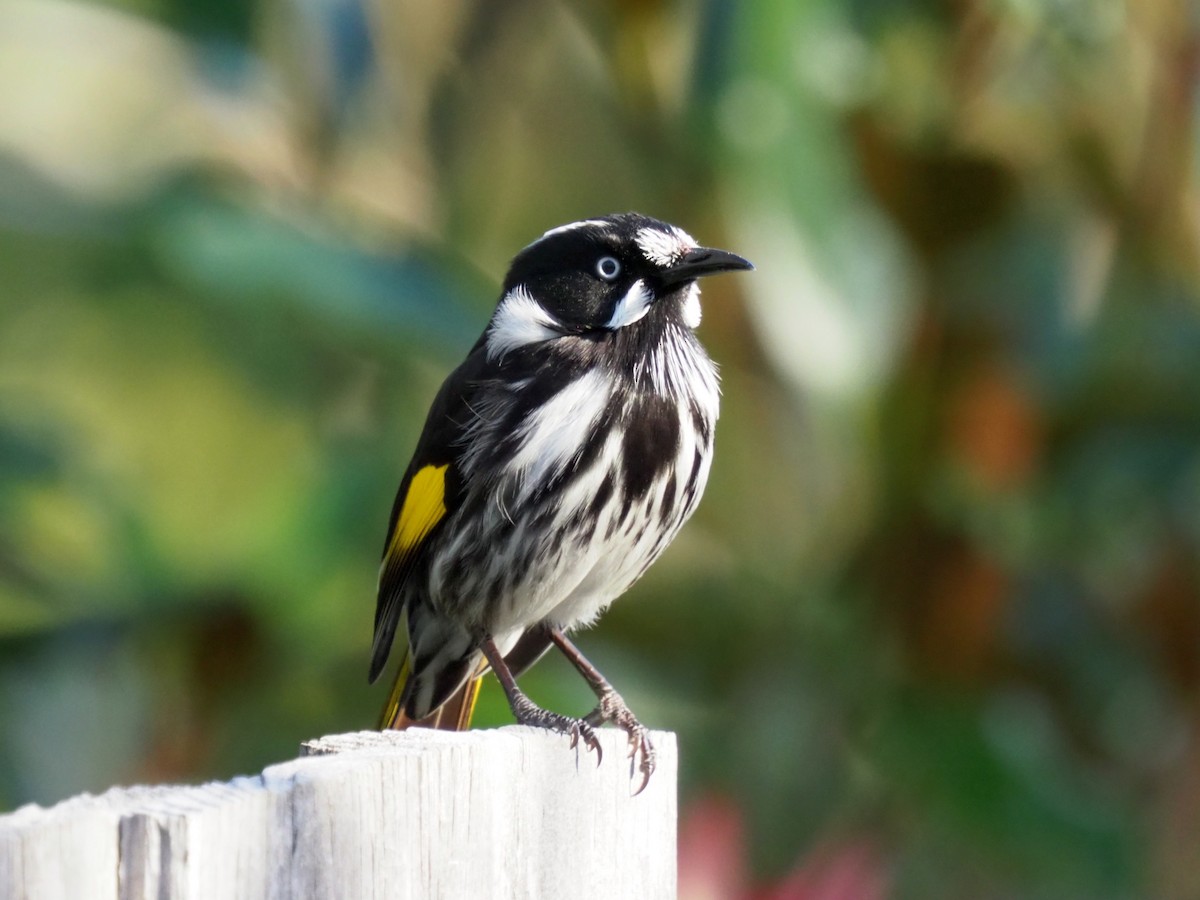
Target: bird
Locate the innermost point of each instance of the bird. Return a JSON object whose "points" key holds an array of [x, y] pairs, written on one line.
{"points": [[556, 463]]}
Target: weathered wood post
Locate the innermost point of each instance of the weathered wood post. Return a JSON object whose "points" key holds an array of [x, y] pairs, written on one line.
{"points": [[506, 813]]}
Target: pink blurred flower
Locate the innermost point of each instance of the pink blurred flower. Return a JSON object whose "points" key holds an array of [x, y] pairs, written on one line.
{"points": [[712, 862]]}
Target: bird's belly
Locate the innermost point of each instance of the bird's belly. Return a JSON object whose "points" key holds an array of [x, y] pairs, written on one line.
{"points": [[595, 551], [559, 533]]}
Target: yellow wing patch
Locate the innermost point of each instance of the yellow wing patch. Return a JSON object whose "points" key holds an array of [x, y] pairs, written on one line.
{"points": [[424, 506]]}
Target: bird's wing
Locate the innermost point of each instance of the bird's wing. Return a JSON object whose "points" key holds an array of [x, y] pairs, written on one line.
{"points": [[430, 492]]}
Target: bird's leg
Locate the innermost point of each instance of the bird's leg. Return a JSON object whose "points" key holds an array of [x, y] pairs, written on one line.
{"points": [[529, 713], [611, 708]]}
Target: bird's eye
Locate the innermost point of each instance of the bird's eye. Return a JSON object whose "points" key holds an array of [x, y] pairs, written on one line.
{"points": [[608, 267]]}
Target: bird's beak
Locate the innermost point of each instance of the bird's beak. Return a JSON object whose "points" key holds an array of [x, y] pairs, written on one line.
{"points": [[700, 262]]}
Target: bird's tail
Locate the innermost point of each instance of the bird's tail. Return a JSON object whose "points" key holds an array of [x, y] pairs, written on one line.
{"points": [[453, 715]]}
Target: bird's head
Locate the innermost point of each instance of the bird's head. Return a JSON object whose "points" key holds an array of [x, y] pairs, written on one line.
{"points": [[600, 275]]}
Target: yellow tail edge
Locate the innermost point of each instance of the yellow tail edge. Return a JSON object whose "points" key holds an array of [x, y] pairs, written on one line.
{"points": [[453, 715]]}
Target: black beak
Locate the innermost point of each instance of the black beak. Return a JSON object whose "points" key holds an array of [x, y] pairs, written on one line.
{"points": [[700, 262]]}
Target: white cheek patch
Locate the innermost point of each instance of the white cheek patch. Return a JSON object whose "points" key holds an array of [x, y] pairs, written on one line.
{"points": [[631, 307], [663, 248], [519, 320], [691, 306]]}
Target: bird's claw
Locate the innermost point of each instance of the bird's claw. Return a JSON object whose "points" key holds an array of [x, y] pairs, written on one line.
{"points": [[529, 713], [578, 728], [641, 745], [612, 708]]}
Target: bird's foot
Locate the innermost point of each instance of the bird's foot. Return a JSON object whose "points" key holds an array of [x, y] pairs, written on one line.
{"points": [[529, 713], [612, 708]]}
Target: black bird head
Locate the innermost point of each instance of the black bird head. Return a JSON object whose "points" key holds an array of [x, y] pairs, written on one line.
{"points": [[600, 275]]}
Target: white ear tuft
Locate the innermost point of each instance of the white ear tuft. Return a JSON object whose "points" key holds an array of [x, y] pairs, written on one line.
{"points": [[519, 320]]}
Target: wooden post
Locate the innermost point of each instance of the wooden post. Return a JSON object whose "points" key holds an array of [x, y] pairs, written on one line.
{"points": [[507, 813]]}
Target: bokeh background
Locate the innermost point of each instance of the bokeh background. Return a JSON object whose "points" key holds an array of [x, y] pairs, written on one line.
{"points": [[934, 631]]}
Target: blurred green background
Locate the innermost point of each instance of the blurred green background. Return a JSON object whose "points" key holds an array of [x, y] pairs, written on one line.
{"points": [[934, 631]]}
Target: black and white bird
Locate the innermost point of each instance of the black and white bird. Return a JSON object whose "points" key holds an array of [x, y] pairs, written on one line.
{"points": [[557, 463]]}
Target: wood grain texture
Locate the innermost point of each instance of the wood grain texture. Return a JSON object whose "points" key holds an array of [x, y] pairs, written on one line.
{"points": [[506, 813]]}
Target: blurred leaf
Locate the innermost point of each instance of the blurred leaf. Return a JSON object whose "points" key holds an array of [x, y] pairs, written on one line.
{"points": [[1027, 811], [236, 254]]}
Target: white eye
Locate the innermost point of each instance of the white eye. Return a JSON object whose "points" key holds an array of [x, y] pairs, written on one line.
{"points": [[608, 267]]}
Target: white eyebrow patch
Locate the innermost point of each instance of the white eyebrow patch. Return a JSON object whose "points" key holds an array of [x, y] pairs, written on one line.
{"points": [[562, 229], [519, 320], [663, 248], [584, 223], [631, 307]]}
